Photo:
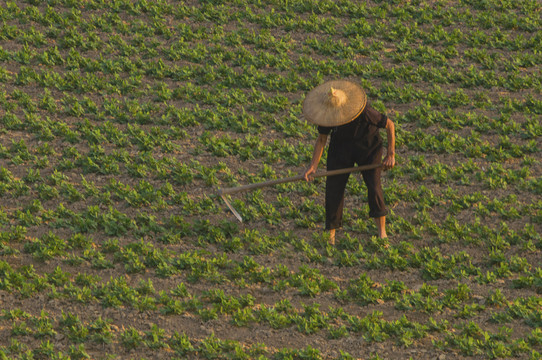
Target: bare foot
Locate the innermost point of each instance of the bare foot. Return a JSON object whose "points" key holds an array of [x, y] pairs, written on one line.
{"points": [[381, 226]]}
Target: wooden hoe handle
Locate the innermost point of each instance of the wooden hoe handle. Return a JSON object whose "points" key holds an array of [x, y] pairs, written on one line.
{"points": [[260, 185]]}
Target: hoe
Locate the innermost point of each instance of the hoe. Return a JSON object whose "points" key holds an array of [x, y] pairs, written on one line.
{"points": [[233, 190]]}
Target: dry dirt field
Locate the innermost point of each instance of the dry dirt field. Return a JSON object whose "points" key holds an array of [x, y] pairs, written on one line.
{"points": [[121, 119]]}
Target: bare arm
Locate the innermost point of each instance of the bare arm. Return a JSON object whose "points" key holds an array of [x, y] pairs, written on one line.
{"points": [[319, 146], [389, 160]]}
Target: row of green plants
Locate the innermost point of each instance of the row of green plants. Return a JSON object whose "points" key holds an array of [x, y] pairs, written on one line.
{"points": [[265, 42], [200, 265], [212, 303], [100, 161], [465, 335], [145, 195], [289, 16], [81, 77], [427, 113], [102, 332], [225, 119], [105, 218]]}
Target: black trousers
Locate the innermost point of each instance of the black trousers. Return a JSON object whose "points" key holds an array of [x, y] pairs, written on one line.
{"points": [[344, 155]]}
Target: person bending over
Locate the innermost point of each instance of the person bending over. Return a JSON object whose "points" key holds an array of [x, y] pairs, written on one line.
{"points": [[340, 110]]}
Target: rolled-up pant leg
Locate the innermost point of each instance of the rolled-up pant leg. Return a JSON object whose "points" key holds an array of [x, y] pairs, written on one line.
{"points": [[377, 205], [339, 156]]}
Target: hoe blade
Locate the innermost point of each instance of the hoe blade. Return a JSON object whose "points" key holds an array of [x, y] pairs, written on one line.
{"points": [[231, 208]]}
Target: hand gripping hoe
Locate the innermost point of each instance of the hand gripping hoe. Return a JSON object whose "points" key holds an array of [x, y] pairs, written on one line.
{"points": [[233, 190]]}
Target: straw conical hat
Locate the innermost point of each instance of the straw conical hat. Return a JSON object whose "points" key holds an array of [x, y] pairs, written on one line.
{"points": [[334, 103]]}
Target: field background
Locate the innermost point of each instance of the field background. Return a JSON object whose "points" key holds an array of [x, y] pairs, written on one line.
{"points": [[120, 119]]}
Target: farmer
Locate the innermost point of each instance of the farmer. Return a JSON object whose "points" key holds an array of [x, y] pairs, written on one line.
{"points": [[340, 108]]}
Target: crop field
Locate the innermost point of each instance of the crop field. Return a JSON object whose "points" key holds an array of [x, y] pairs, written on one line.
{"points": [[120, 120]]}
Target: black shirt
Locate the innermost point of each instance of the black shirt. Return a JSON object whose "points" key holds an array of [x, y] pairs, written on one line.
{"points": [[363, 130]]}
